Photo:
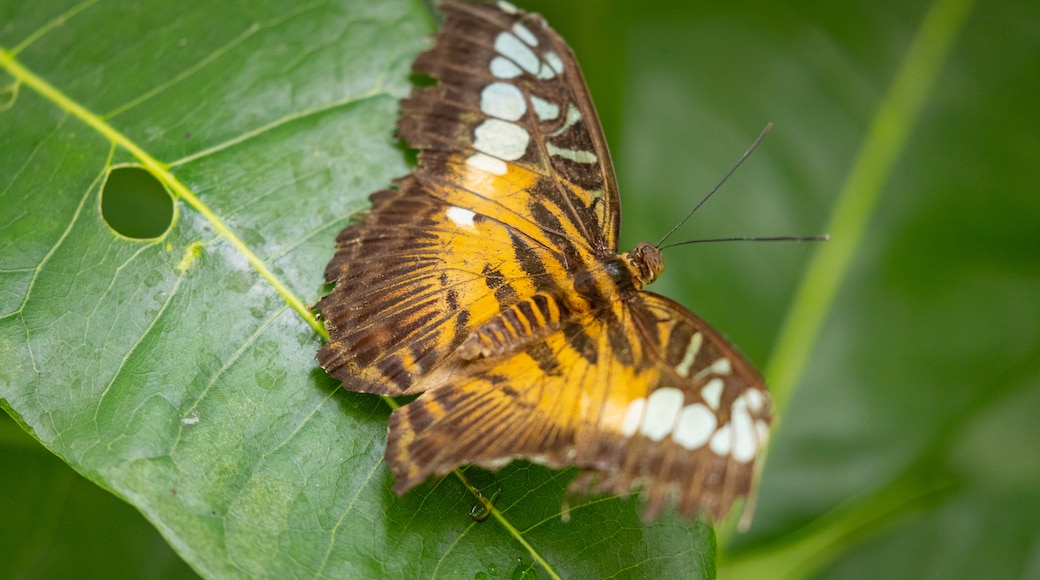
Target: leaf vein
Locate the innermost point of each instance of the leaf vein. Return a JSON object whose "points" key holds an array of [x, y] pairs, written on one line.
{"points": [[347, 510], [162, 172], [57, 21], [133, 348], [220, 372]]}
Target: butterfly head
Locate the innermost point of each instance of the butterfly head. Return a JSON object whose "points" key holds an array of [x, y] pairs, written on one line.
{"points": [[647, 261]]}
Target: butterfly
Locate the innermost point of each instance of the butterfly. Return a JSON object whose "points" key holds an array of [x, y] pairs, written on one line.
{"points": [[489, 283]]}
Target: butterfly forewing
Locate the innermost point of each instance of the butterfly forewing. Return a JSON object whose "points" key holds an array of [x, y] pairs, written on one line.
{"points": [[489, 281], [511, 103], [490, 216]]}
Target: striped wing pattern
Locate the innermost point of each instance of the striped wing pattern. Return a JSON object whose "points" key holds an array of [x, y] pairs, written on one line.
{"points": [[678, 414], [488, 281]]}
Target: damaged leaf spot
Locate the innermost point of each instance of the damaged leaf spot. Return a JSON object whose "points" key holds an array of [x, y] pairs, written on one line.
{"points": [[135, 204], [194, 250]]}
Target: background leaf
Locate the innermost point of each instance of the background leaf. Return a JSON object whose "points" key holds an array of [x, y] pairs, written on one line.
{"points": [[905, 452]]}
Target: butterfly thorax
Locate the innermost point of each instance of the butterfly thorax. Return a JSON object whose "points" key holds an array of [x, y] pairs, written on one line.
{"points": [[609, 280]]}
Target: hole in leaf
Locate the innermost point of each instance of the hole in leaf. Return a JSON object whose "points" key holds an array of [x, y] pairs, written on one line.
{"points": [[135, 204], [421, 80]]}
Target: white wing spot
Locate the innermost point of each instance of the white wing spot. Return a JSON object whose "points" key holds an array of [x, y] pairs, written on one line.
{"points": [[507, 7], [762, 430], [722, 441], [683, 368], [573, 116], [755, 400], [721, 366], [503, 100], [511, 47], [525, 35], [633, 417], [501, 139], [712, 393], [745, 445], [662, 408], [571, 154], [486, 163], [546, 72], [696, 424], [554, 61], [461, 216], [504, 68], [545, 110]]}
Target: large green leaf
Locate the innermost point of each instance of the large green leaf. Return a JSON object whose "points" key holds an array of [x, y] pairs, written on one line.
{"points": [[178, 374]]}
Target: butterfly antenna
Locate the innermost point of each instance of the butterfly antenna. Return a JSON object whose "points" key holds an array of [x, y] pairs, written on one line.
{"points": [[723, 180], [822, 238]]}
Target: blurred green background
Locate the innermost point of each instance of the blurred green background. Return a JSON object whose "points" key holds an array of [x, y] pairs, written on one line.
{"points": [[909, 448]]}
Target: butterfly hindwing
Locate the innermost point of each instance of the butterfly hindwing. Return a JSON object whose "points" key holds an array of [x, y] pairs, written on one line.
{"points": [[679, 414], [707, 458]]}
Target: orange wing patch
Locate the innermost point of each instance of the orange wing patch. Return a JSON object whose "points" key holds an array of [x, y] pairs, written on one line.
{"points": [[489, 283]]}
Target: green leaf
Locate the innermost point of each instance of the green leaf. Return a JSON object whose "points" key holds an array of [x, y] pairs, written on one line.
{"points": [[57, 524], [178, 371]]}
